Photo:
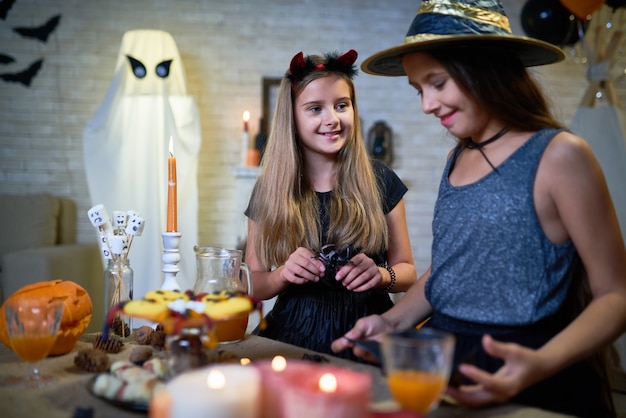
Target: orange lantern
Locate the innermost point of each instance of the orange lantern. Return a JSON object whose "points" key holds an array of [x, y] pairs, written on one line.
{"points": [[582, 8], [76, 315]]}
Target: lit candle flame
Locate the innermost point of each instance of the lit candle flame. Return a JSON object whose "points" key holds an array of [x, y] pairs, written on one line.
{"points": [[328, 383], [171, 147], [245, 361], [216, 380], [246, 116], [279, 363]]}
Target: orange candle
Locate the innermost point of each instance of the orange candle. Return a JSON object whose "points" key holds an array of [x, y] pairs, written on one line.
{"points": [[171, 191], [245, 146], [246, 119]]}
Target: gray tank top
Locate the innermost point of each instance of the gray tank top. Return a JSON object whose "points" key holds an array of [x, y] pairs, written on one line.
{"points": [[491, 262]]}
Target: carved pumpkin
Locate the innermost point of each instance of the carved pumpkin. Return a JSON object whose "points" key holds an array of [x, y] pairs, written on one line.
{"points": [[76, 315]]}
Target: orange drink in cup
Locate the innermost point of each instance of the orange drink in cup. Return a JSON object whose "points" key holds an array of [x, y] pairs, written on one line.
{"points": [[416, 390], [418, 364], [32, 348], [32, 324]]}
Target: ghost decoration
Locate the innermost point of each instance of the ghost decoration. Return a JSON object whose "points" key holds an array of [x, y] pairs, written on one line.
{"points": [[126, 146]]}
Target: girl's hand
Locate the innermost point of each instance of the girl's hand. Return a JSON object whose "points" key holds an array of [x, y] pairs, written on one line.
{"points": [[359, 274], [302, 267], [521, 369], [367, 328]]}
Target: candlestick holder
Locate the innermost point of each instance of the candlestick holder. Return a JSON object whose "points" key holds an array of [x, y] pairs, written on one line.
{"points": [[170, 258]]}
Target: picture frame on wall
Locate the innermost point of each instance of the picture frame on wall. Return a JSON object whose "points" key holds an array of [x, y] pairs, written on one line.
{"points": [[270, 87]]}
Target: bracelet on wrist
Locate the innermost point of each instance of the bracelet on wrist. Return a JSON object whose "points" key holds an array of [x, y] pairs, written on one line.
{"points": [[392, 274]]}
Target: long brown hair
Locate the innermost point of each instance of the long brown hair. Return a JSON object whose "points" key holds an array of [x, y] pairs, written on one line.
{"points": [[285, 207], [507, 90], [504, 88]]}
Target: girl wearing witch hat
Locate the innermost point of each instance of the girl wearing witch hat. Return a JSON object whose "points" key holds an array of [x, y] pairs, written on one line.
{"points": [[528, 263]]}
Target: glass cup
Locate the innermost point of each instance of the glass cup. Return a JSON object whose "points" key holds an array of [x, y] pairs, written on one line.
{"points": [[33, 324], [417, 363]]}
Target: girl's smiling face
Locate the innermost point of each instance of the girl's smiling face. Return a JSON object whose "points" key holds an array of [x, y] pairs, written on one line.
{"points": [[442, 97], [324, 115]]}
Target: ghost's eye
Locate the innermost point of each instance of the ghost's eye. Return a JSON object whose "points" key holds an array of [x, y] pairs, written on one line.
{"points": [[138, 68], [163, 68]]}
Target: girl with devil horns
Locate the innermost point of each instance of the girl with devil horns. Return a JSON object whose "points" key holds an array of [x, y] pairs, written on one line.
{"points": [[327, 228], [528, 263]]}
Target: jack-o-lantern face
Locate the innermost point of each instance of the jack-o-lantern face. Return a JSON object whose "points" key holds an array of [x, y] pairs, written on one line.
{"points": [[76, 315]]}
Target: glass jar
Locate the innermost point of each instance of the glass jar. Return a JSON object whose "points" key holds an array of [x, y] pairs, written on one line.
{"points": [[118, 287], [220, 269], [185, 351]]}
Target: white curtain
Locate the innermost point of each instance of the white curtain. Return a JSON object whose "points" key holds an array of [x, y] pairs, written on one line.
{"points": [[126, 147], [603, 128]]}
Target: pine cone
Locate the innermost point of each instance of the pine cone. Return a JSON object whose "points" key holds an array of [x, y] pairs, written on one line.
{"points": [[113, 344], [120, 327], [92, 360], [157, 339], [143, 335], [140, 354]]}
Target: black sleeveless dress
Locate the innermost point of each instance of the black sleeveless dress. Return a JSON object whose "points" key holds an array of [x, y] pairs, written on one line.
{"points": [[314, 314]]}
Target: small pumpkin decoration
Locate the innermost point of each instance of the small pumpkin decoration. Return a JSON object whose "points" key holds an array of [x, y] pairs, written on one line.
{"points": [[76, 315]]}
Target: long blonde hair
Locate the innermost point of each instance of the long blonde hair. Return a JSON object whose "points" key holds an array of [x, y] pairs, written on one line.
{"points": [[285, 207]]}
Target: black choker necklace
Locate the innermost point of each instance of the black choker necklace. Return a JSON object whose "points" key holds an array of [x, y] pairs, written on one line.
{"points": [[478, 145]]}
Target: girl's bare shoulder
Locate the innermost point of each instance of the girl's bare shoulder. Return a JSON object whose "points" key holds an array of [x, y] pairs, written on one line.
{"points": [[568, 151]]}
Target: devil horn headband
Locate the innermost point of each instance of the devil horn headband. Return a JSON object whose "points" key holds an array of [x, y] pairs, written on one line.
{"points": [[301, 66]]}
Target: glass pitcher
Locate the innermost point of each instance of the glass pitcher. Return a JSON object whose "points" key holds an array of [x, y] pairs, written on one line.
{"points": [[222, 269]]}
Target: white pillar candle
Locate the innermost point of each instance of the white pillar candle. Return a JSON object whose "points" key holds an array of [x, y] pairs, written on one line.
{"points": [[219, 391]]}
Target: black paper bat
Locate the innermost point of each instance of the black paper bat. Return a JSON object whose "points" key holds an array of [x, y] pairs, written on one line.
{"points": [[41, 32], [6, 59], [25, 77], [5, 6]]}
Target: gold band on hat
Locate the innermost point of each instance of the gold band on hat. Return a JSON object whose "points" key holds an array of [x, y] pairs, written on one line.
{"points": [[421, 37], [450, 8]]}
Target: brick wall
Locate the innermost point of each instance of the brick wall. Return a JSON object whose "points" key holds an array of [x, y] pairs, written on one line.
{"points": [[227, 47]]}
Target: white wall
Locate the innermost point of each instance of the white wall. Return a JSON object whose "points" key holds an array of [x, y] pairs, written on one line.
{"points": [[227, 47]]}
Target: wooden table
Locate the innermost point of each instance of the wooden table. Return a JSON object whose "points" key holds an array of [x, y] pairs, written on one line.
{"points": [[61, 399]]}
